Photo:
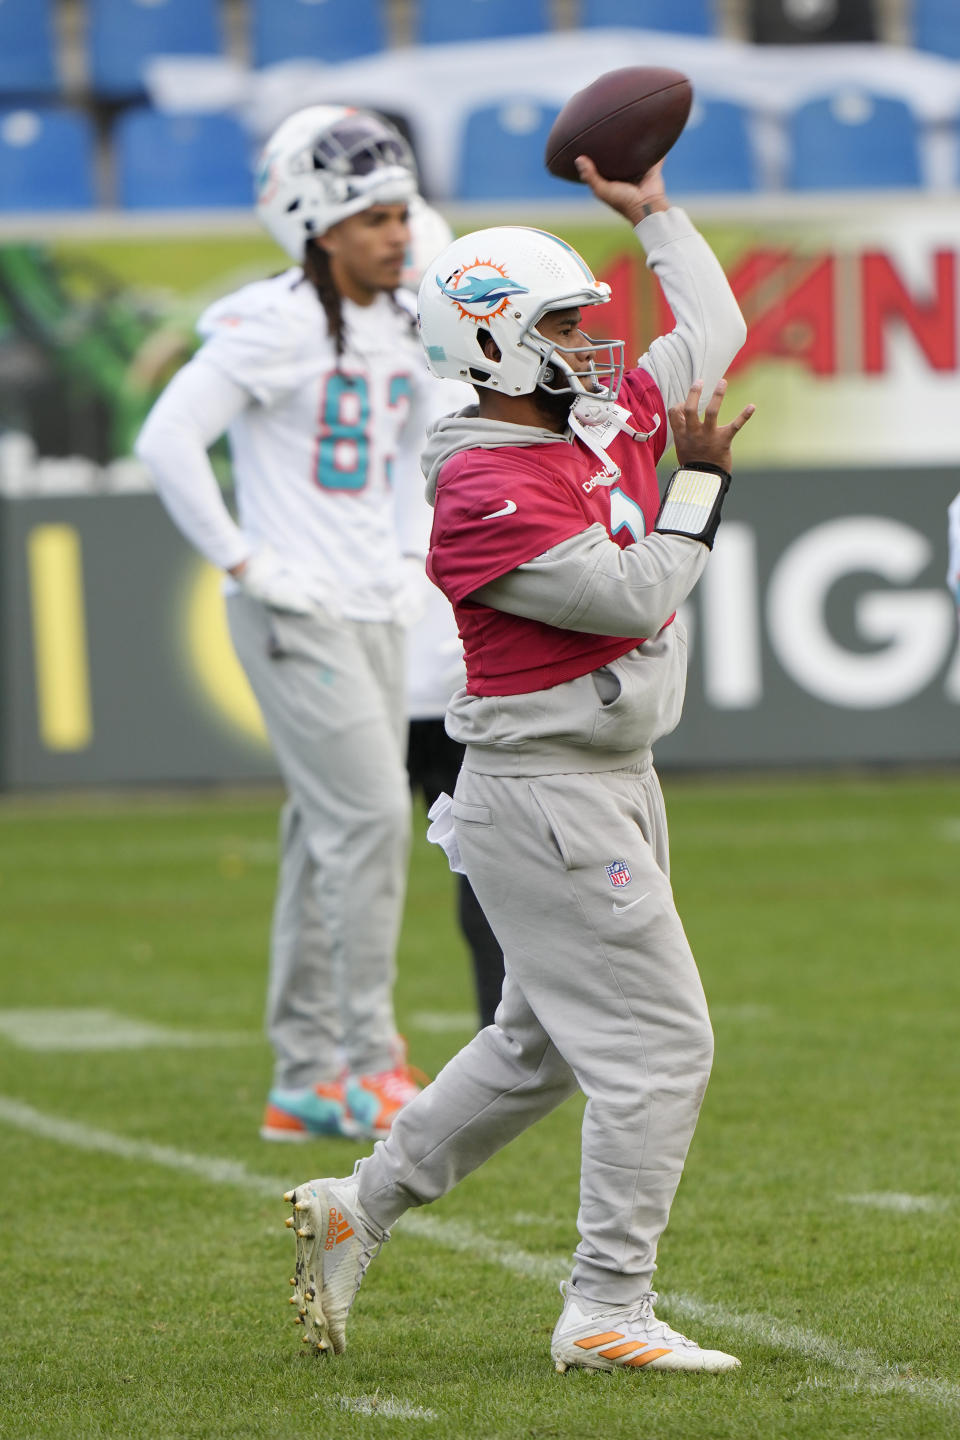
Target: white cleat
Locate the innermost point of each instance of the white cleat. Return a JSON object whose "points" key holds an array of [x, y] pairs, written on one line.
{"points": [[336, 1241], [627, 1337]]}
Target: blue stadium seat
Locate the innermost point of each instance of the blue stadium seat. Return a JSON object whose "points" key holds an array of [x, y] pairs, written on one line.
{"points": [[171, 162], [124, 34], [46, 160], [936, 26], [27, 47], [685, 17], [447, 21], [715, 152], [853, 140], [501, 154], [327, 30]]}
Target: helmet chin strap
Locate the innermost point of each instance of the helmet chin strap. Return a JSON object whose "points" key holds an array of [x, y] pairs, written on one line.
{"points": [[598, 422]]}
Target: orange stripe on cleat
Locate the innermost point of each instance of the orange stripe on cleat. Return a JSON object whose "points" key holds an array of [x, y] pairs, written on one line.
{"points": [[645, 1359], [281, 1120], [627, 1348], [607, 1338]]}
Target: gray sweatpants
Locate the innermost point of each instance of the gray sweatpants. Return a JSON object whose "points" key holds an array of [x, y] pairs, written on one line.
{"points": [[331, 694], [601, 993]]}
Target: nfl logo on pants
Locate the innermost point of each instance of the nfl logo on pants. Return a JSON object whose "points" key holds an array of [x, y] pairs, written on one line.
{"points": [[619, 873]]}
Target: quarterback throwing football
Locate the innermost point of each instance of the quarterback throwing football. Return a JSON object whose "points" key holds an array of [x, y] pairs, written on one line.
{"points": [[565, 570]]}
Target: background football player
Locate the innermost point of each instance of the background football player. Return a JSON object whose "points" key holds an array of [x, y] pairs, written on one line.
{"points": [[318, 379]]}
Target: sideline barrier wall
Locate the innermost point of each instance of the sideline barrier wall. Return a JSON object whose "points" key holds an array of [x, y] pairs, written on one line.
{"points": [[821, 633]]}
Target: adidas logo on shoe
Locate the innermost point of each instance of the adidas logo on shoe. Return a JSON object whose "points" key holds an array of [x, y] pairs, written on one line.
{"points": [[338, 1229]]}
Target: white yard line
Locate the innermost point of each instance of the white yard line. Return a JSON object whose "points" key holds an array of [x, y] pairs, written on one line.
{"points": [[902, 1204], [860, 1368], [105, 1142], [79, 1028], [387, 1407], [444, 1022]]}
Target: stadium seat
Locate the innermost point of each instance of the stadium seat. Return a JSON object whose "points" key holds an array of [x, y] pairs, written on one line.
{"points": [[27, 48], [936, 26], [124, 34], [852, 140], [715, 152], [685, 17], [327, 30], [811, 22], [501, 154], [46, 160], [447, 21], [169, 162]]}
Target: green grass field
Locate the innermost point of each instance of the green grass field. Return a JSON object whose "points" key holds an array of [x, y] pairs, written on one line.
{"points": [[144, 1255]]}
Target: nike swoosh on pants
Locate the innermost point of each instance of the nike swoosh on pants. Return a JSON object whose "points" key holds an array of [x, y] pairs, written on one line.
{"points": [[620, 909]]}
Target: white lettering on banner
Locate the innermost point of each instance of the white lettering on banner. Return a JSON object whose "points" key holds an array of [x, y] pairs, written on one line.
{"points": [[915, 628], [951, 684], [732, 669]]}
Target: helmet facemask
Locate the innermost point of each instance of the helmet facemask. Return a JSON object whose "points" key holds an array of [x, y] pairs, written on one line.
{"points": [[557, 376]]}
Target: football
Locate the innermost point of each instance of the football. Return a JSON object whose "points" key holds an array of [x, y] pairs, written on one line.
{"points": [[626, 121]]}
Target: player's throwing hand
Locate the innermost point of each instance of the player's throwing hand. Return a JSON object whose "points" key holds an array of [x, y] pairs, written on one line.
{"points": [[700, 439]]}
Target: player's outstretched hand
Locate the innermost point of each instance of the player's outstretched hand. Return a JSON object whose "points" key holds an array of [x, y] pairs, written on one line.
{"points": [[632, 200], [702, 438]]}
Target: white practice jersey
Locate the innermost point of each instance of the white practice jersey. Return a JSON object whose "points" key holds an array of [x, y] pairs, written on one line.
{"points": [[326, 453]]}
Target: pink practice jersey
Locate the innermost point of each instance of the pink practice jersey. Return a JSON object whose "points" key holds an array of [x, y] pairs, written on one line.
{"points": [[496, 509]]}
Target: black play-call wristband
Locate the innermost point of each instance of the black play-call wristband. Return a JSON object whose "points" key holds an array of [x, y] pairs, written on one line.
{"points": [[692, 502]]}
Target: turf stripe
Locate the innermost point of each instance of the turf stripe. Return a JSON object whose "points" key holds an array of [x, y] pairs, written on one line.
{"points": [[387, 1406], [85, 1137], [79, 1028], [903, 1204], [860, 1368], [443, 1022]]}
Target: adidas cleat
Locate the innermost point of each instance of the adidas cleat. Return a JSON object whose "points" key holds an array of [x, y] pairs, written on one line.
{"points": [[621, 1337], [335, 1243]]}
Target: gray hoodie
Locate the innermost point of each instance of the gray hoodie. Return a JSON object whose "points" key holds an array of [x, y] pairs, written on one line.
{"points": [[608, 719]]}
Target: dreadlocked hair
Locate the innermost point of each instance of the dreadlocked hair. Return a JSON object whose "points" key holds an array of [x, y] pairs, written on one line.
{"points": [[316, 267]]}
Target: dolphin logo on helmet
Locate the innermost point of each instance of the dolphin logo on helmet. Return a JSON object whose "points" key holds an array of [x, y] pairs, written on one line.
{"points": [[486, 293]]}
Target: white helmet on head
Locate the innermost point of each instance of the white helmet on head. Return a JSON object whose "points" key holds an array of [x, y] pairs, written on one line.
{"points": [[326, 163], [503, 281]]}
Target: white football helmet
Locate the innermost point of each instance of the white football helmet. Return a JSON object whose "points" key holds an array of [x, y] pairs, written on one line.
{"points": [[325, 163], [503, 281]]}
